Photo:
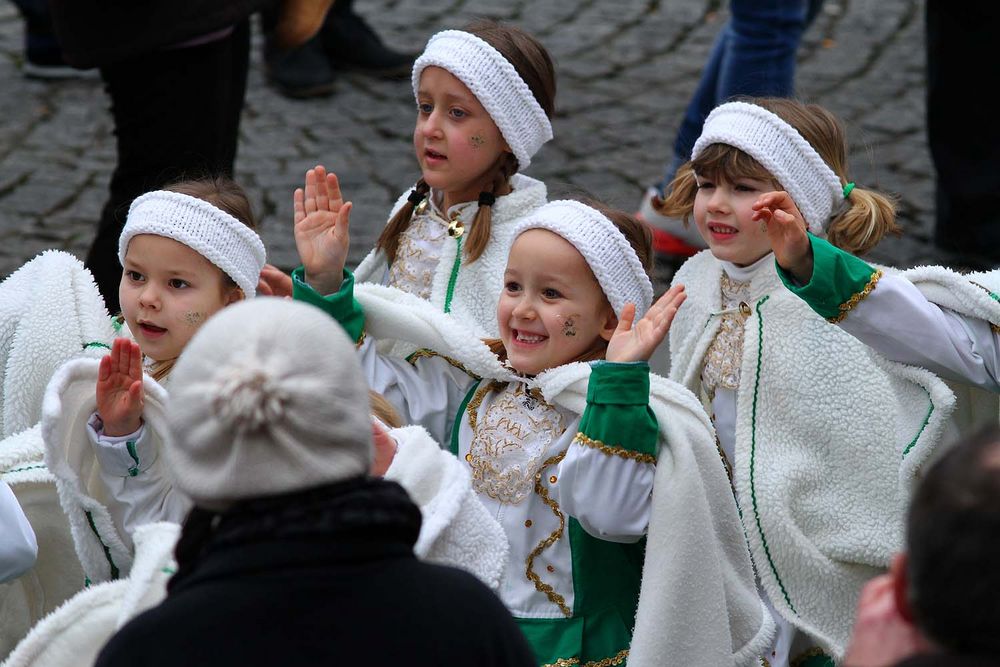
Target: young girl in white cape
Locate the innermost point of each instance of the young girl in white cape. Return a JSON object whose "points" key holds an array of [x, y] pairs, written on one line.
{"points": [[823, 437], [565, 436]]}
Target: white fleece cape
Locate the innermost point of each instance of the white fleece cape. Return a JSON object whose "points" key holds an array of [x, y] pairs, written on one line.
{"points": [[478, 286], [75, 633], [50, 309], [70, 400], [698, 604], [830, 439]]}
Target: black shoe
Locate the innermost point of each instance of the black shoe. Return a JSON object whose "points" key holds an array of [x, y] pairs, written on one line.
{"points": [[351, 43], [300, 72]]}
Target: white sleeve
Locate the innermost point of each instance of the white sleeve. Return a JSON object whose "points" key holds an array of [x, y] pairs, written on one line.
{"points": [[898, 321], [609, 495], [427, 392], [131, 470], [18, 547]]}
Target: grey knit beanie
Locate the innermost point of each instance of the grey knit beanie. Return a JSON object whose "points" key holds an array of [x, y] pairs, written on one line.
{"points": [[267, 398]]}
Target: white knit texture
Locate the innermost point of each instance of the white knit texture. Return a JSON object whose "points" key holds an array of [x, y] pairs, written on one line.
{"points": [[608, 253], [780, 149], [214, 234], [495, 83]]}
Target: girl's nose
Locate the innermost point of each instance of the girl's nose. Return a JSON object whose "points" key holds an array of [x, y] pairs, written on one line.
{"points": [[524, 309], [432, 125], [149, 296]]}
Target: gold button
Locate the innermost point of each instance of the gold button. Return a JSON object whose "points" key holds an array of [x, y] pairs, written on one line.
{"points": [[456, 229], [468, 457], [550, 568], [421, 207], [552, 480], [527, 524], [745, 308]]}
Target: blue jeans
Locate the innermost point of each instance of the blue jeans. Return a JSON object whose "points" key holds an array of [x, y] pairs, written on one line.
{"points": [[754, 54]]}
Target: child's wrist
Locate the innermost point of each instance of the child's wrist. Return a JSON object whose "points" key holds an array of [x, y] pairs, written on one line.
{"points": [[324, 282], [118, 429]]}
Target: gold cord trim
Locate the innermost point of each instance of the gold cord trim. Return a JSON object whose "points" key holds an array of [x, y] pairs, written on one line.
{"points": [[361, 338], [540, 585], [472, 408], [857, 298], [424, 352], [614, 450], [995, 328], [618, 659]]}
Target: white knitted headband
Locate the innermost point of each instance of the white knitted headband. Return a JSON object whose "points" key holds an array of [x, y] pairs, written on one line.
{"points": [[495, 83], [780, 149], [608, 253], [214, 234]]}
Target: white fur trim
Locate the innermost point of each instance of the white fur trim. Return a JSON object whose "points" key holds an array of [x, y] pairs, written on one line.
{"points": [[608, 253], [780, 149], [495, 83], [214, 234]]}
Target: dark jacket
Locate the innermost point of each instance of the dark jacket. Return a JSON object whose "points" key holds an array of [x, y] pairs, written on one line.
{"points": [[94, 33], [322, 577]]}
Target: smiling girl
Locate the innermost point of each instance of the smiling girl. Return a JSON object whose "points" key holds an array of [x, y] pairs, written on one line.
{"points": [[186, 253], [821, 437], [561, 426], [484, 97]]}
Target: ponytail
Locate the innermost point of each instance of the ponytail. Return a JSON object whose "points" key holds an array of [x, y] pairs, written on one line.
{"points": [[869, 217], [388, 240]]}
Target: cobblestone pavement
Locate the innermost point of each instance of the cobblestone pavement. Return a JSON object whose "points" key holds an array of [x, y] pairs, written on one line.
{"points": [[625, 72]]}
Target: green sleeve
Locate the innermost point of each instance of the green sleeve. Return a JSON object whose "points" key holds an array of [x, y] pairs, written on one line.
{"points": [[839, 282], [341, 306], [617, 419]]}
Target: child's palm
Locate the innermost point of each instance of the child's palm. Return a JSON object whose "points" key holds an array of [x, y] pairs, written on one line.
{"points": [[638, 342], [119, 388], [322, 219]]}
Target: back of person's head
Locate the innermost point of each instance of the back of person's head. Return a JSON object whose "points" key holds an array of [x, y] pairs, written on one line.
{"points": [[803, 149], [523, 122], [268, 398], [953, 538]]}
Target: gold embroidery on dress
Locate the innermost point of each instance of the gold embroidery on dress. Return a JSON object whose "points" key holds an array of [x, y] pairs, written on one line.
{"points": [[510, 442], [613, 661], [418, 254], [424, 352], [857, 298], [724, 357], [613, 450], [540, 585]]}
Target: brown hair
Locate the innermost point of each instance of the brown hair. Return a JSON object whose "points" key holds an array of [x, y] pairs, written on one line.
{"points": [[639, 236], [384, 410], [225, 194], [868, 215], [534, 65]]}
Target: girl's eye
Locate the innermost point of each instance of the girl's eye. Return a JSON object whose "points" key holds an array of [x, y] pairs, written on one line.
{"points": [[746, 187], [550, 293], [458, 113], [177, 283], [424, 108], [134, 275], [512, 287], [705, 185]]}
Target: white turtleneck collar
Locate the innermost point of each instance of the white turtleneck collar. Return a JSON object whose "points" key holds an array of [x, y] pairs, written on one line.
{"points": [[746, 273]]}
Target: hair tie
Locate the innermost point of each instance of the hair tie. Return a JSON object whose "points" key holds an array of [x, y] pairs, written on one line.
{"points": [[487, 199], [848, 189], [415, 197]]}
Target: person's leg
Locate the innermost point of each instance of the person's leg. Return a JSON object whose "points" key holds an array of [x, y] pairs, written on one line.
{"points": [[962, 128], [43, 57], [176, 114]]}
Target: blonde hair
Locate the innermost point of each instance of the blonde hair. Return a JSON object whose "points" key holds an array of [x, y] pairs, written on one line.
{"points": [[534, 64], [865, 219], [384, 410]]}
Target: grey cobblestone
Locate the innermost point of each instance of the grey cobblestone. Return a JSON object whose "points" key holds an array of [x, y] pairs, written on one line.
{"points": [[625, 72]]}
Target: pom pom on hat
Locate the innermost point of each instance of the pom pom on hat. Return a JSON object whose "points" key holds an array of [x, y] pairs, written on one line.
{"points": [[208, 230], [611, 258], [280, 407], [496, 84]]}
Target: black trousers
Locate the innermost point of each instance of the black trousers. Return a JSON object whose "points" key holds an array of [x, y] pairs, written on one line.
{"points": [[963, 129], [176, 115]]}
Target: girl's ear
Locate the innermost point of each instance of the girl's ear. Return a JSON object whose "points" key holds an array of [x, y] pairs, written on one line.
{"points": [[610, 323], [234, 294]]}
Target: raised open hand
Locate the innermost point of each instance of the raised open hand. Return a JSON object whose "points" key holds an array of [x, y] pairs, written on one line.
{"points": [[322, 219], [638, 342], [119, 388], [786, 230]]}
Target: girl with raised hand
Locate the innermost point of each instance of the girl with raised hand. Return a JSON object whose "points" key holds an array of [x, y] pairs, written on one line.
{"points": [[822, 437], [484, 98], [561, 425]]}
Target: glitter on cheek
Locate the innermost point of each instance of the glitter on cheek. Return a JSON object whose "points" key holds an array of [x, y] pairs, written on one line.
{"points": [[477, 141], [194, 318], [568, 326]]}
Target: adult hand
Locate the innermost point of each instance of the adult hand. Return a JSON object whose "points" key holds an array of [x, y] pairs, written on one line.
{"points": [[119, 388], [786, 230], [638, 342], [322, 218]]}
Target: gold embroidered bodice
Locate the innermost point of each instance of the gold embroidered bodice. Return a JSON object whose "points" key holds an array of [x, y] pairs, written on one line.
{"points": [[510, 442], [725, 355]]}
